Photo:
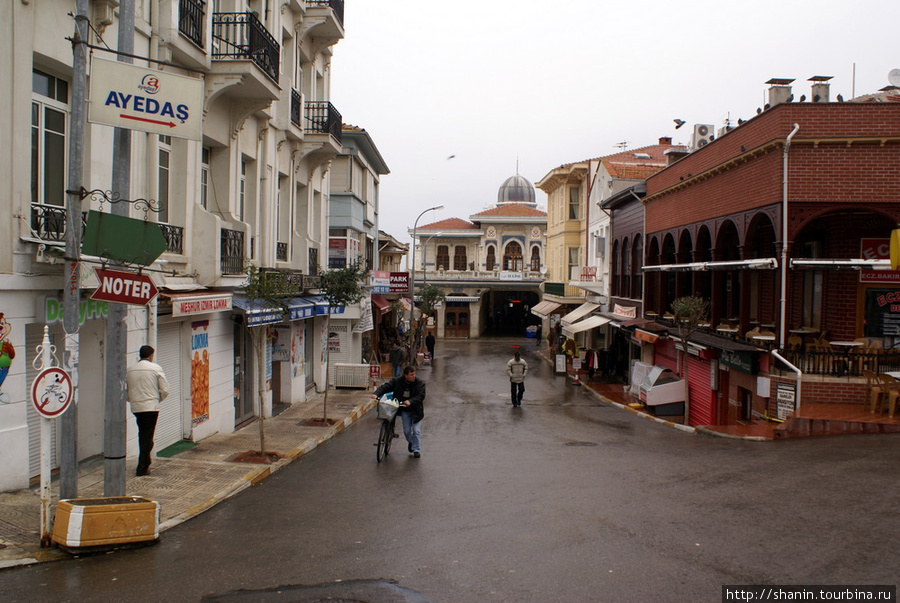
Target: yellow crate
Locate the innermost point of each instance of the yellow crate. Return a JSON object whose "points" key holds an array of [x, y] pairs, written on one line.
{"points": [[84, 522]]}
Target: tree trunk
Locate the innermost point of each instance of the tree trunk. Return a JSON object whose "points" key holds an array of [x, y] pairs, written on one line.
{"points": [[261, 372]]}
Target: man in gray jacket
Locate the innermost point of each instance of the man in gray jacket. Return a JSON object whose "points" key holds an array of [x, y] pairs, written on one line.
{"points": [[147, 387], [516, 369]]}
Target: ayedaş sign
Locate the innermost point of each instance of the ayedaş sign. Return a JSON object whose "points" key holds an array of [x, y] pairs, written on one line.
{"points": [[145, 99]]}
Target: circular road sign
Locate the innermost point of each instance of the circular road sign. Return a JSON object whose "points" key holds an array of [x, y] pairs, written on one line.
{"points": [[51, 392]]}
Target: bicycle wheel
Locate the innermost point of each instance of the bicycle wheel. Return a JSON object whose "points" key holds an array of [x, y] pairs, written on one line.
{"points": [[384, 441], [390, 436]]}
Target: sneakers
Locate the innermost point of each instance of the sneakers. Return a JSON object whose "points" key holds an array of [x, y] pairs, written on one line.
{"points": [[416, 454]]}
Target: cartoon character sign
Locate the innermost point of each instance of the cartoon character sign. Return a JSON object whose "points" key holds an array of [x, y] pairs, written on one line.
{"points": [[7, 353]]}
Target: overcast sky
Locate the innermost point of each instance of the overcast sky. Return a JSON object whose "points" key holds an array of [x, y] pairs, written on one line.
{"points": [[556, 81]]}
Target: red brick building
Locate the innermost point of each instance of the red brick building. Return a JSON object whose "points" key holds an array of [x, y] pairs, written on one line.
{"points": [[782, 221]]}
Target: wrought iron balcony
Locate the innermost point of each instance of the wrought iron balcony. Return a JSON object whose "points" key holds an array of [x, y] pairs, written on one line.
{"points": [[231, 251], [241, 36], [296, 108], [336, 5], [281, 252], [48, 222], [191, 15], [323, 118], [174, 237]]}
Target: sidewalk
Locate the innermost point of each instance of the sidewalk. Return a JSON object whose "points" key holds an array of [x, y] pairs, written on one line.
{"points": [[190, 482]]}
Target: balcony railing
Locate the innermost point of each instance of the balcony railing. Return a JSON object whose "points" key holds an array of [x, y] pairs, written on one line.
{"points": [[190, 19], [481, 275], [48, 222], [323, 118], [174, 237], [296, 108], [281, 252], [336, 5], [242, 36], [231, 249], [842, 363]]}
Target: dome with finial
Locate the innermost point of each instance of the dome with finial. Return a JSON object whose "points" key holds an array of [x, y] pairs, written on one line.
{"points": [[516, 189]]}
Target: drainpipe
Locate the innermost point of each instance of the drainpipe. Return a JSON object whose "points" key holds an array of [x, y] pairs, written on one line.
{"points": [[784, 234]]}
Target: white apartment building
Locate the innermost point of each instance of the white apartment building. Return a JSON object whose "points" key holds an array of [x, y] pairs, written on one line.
{"points": [[254, 189]]}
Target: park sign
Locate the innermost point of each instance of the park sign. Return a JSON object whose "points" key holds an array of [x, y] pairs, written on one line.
{"points": [[140, 98], [124, 287]]}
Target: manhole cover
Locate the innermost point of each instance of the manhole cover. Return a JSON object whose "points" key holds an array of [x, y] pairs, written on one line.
{"points": [[581, 443]]}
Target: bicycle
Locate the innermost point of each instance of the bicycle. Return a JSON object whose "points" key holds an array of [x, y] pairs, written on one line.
{"points": [[387, 412]]}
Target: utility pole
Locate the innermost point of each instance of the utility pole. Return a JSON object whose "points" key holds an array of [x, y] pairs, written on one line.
{"points": [[68, 457], [114, 428]]}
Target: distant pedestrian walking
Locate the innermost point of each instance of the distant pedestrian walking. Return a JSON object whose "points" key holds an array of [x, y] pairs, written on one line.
{"points": [[429, 343], [516, 369], [398, 358], [147, 387]]}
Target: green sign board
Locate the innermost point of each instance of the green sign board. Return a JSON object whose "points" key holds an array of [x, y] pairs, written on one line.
{"points": [[122, 238], [741, 360], [555, 289]]}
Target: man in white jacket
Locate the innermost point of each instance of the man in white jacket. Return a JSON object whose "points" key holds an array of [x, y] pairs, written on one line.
{"points": [[147, 387], [516, 369]]}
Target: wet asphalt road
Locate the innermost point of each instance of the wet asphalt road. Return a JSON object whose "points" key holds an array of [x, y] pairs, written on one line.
{"points": [[565, 499]]}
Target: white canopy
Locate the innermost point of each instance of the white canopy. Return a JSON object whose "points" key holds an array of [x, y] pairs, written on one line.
{"points": [[582, 310], [544, 308], [583, 325]]}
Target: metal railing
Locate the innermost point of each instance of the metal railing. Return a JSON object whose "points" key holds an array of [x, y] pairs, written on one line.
{"points": [[190, 19], [336, 5], [48, 222], [281, 252], [231, 249], [296, 108], [323, 118], [243, 36], [841, 363], [174, 236]]}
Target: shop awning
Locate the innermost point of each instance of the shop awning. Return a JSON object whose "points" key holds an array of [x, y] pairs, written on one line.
{"points": [[300, 308], [544, 309], [582, 310], [383, 305], [323, 308], [583, 325], [645, 336], [258, 312], [198, 302]]}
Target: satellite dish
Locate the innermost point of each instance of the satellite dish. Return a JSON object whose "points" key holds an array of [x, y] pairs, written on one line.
{"points": [[894, 77]]}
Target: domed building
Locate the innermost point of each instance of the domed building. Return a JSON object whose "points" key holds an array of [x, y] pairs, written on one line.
{"points": [[490, 266], [516, 189]]}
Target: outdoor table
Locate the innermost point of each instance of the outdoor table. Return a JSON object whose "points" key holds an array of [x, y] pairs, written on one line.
{"points": [[894, 374], [768, 338], [847, 346]]}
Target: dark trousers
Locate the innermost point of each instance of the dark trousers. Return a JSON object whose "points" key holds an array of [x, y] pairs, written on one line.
{"points": [[515, 392], [146, 424]]}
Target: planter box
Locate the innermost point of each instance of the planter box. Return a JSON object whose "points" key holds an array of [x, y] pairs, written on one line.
{"points": [[85, 522]]}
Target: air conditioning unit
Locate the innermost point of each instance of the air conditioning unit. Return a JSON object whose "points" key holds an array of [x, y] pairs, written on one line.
{"points": [[351, 375], [703, 135]]}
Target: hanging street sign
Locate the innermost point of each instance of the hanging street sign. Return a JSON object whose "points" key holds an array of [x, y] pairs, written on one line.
{"points": [[51, 392], [140, 98], [124, 287]]}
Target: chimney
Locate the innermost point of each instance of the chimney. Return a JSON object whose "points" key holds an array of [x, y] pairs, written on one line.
{"points": [[820, 88], [665, 140], [779, 91], [673, 155]]}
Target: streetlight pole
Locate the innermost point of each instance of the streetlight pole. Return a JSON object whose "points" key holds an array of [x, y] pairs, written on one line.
{"points": [[412, 283]]}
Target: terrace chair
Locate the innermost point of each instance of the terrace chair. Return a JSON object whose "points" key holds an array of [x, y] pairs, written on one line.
{"points": [[873, 390], [749, 334], [795, 343], [889, 394]]}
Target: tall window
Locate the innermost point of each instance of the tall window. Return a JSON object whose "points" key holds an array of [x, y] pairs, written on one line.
{"points": [[615, 277], [512, 257], [491, 258], [163, 178], [459, 257], [535, 259], [574, 203], [49, 113], [443, 258], [626, 269], [204, 178], [574, 263], [242, 191], [637, 263]]}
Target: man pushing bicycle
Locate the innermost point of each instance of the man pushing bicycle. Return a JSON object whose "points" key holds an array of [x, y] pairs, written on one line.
{"points": [[410, 393]]}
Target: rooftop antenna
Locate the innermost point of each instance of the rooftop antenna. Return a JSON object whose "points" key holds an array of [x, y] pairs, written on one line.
{"points": [[622, 145]]}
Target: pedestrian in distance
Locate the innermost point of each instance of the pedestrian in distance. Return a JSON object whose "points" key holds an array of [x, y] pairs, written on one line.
{"points": [[398, 359], [516, 369], [429, 344], [409, 391], [147, 388]]}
